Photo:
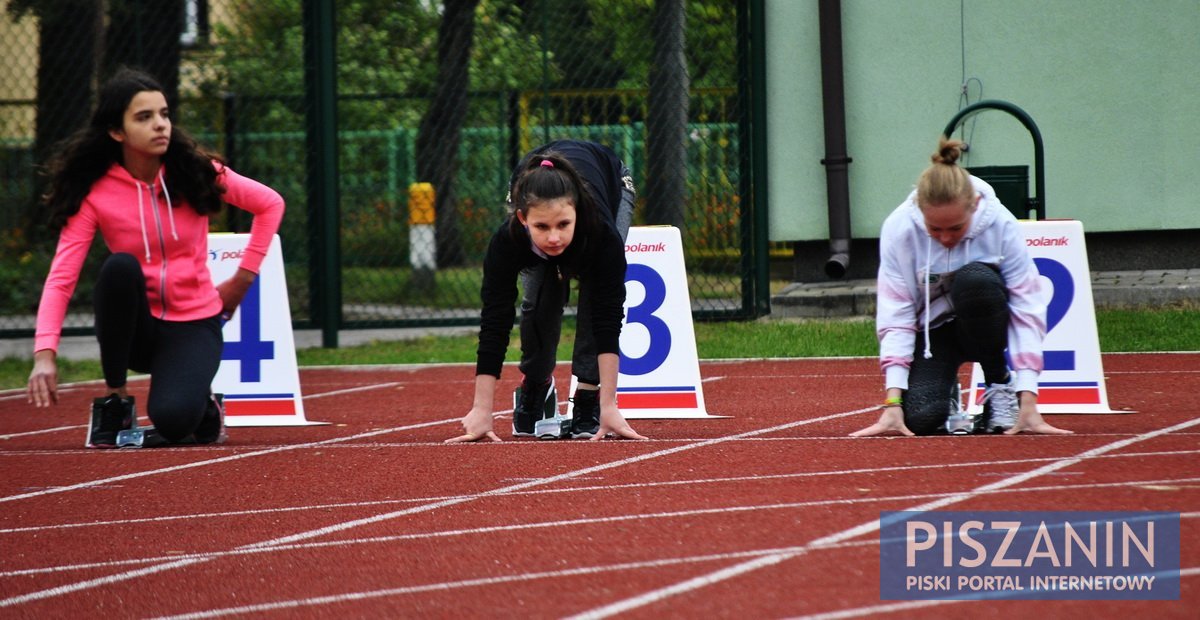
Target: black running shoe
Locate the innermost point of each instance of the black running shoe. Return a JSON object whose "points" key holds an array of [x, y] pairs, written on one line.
{"points": [[530, 405], [212, 425], [585, 414], [110, 415]]}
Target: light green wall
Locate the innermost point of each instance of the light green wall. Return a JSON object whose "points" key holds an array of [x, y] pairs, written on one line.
{"points": [[1112, 84]]}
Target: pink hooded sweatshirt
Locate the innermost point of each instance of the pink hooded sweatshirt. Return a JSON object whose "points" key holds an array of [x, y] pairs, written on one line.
{"points": [[170, 241]]}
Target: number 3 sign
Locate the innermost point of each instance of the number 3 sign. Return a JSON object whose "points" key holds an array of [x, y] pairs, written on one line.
{"points": [[1072, 379], [660, 370]]}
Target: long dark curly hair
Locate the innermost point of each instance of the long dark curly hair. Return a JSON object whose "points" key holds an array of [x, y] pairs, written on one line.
{"points": [[86, 156]]}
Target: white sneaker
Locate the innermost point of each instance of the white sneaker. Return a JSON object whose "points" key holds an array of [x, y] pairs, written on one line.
{"points": [[1001, 405], [959, 422]]}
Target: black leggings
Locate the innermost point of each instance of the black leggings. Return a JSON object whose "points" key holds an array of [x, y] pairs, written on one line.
{"points": [[541, 326], [978, 333], [181, 357]]}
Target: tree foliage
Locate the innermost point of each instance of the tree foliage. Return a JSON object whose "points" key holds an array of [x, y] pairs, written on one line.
{"points": [[711, 39], [383, 47]]}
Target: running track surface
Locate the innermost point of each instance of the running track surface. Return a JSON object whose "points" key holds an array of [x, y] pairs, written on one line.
{"points": [[772, 512]]}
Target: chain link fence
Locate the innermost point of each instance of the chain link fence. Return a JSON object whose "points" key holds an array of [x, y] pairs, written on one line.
{"points": [[447, 93]]}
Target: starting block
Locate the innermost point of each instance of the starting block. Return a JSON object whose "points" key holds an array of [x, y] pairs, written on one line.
{"points": [[556, 427], [148, 437], [553, 425], [140, 438]]}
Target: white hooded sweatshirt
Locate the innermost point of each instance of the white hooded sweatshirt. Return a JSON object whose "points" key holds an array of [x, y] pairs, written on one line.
{"points": [[907, 253]]}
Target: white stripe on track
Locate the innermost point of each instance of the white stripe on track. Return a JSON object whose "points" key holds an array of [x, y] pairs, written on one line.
{"points": [[506, 528], [319, 395], [361, 388], [583, 489], [41, 431], [590, 570], [68, 588], [549, 445], [540, 481], [654, 596], [858, 612], [453, 585], [21, 395], [222, 459]]}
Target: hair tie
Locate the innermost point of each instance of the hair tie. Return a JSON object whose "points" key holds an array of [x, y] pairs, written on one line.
{"points": [[547, 162]]}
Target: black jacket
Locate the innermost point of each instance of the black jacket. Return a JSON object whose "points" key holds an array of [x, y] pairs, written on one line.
{"points": [[597, 262]]}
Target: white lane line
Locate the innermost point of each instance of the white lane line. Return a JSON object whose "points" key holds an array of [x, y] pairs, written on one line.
{"points": [[538, 482], [654, 596], [454, 585], [364, 388], [223, 459], [83, 585], [361, 388], [551, 445], [591, 489], [859, 612], [19, 394], [509, 528], [492, 581], [43, 431]]}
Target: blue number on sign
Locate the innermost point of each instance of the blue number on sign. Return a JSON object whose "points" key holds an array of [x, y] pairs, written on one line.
{"points": [[251, 350], [643, 314], [1060, 302]]}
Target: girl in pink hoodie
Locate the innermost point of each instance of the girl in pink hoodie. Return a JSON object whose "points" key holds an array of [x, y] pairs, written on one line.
{"points": [[148, 189]]}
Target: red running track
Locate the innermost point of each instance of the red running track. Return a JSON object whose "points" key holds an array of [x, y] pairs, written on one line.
{"points": [[770, 513]]}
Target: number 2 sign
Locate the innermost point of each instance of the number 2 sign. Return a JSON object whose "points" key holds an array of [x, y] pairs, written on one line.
{"points": [[1072, 379]]}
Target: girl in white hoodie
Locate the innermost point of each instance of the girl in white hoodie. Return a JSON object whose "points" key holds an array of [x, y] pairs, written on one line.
{"points": [[983, 295]]}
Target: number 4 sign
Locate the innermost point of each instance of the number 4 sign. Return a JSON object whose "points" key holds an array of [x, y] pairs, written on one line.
{"points": [[1072, 379], [258, 373], [660, 370]]}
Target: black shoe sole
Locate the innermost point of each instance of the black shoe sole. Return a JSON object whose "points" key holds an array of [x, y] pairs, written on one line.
{"points": [[101, 443]]}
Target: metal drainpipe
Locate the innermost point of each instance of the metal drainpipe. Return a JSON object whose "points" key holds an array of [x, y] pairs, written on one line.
{"points": [[836, 162]]}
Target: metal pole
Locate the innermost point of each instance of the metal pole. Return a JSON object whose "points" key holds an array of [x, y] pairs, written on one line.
{"points": [[320, 87], [230, 110], [752, 159], [758, 164], [1039, 171], [836, 161]]}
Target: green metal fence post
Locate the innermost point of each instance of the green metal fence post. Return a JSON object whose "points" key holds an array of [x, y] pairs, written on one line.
{"points": [[320, 88], [752, 178]]}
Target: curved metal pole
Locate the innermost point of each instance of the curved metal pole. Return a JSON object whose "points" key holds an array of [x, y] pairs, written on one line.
{"points": [[1039, 172]]}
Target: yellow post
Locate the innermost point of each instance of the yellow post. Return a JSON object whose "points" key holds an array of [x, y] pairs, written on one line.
{"points": [[420, 203], [422, 242]]}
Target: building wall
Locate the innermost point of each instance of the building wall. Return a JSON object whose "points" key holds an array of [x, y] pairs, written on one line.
{"points": [[1111, 85]]}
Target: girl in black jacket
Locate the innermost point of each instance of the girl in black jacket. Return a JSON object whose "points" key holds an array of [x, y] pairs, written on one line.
{"points": [[571, 204]]}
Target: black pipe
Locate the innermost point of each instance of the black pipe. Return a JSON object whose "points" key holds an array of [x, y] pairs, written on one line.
{"points": [[836, 162]]}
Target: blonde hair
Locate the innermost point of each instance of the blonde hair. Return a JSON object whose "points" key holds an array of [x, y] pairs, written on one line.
{"points": [[944, 181]]}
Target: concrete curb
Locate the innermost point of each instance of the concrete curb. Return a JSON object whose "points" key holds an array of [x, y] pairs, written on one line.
{"points": [[1118, 289]]}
